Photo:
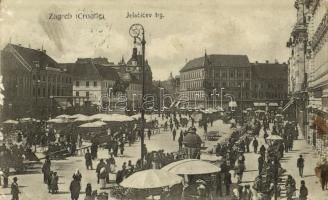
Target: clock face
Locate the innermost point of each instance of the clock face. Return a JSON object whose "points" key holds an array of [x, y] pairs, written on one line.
{"points": [[135, 30]]}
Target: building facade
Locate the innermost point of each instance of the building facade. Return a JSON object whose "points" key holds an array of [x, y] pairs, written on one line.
{"points": [[91, 82], [213, 75], [33, 82], [309, 65], [316, 130], [269, 84]]}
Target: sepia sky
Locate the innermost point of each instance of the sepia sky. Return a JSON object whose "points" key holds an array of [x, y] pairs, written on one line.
{"points": [[257, 28]]}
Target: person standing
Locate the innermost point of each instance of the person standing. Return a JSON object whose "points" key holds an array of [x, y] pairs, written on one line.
{"points": [[218, 184], [94, 150], [88, 192], [149, 134], [75, 188], [174, 133], [300, 165], [227, 183], [54, 183], [15, 189], [46, 170], [88, 160], [260, 163], [255, 144], [100, 165], [303, 191], [122, 147]]}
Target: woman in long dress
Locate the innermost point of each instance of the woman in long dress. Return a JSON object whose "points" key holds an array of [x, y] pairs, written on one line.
{"points": [[102, 177]]}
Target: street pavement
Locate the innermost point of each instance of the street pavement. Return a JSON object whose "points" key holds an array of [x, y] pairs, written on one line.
{"points": [[32, 186]]}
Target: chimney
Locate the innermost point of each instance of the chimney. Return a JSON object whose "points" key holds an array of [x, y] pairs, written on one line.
{"points": [[267, 62], [256, 62], [276, 61], [20, 45], [44, 51]]}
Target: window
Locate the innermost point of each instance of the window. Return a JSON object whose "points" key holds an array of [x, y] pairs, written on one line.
{"points": [[240, 74], [247, 74], [231, 74], [87, 83], [95, 83], [87, 94], [77, 83], [77, 93]]}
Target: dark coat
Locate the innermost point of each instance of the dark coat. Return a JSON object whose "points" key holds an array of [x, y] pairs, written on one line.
{"points": [[75, 187]]}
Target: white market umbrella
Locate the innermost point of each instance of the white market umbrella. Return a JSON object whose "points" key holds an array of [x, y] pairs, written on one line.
{"points": [[10, 121], [151, 178], [57, 120], [191, 167], [274, 137], [96, 124], [63, 116], [82, 118], [98, 116], [117, 118], [76, 116]]}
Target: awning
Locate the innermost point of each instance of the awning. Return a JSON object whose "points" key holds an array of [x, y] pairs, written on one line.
{"points": [[291, 102], [257, 104], [273, 104]]}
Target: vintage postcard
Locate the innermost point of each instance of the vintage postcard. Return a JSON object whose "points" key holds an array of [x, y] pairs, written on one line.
{"points": [[164, 99]]}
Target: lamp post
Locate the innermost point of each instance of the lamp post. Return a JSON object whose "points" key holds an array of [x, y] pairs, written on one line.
{"points": [[241, 103], [221, 97], [137, 31]]}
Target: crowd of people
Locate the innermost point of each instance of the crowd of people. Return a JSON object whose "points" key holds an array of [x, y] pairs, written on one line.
{"points": [[232, 151]]}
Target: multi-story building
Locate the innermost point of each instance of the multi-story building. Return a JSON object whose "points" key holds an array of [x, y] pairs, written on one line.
{"points": [[269, 84], [205, 77], [316, 129], [35, 84], [91, 81]]}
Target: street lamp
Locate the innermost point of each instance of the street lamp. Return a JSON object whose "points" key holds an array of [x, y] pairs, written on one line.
{"points": [[137, 31], [221, 97], [241, 103]]}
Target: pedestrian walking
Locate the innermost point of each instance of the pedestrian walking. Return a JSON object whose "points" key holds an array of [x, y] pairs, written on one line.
{"points": [[88, 160], [15, 189], [303, 191], [174, 133], [75, 188], [46, 170], [300, 165], [255, 144], [290, 187], [77, 175], [54, 183], [149, 133], [121, 147]]}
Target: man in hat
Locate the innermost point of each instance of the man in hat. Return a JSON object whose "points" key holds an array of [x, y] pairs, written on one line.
{"points": [[303, 191], [300, 165], [88, 160], [15, 189]]}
